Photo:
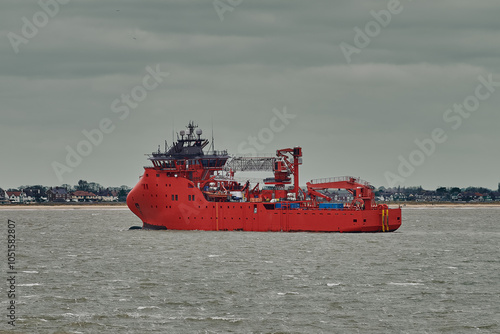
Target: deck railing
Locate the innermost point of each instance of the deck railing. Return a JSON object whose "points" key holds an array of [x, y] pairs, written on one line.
{"points": [[340, 179]]}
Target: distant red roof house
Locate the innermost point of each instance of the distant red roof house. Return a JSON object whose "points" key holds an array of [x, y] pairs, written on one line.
{"points": [[83, 195], [16, 196]]}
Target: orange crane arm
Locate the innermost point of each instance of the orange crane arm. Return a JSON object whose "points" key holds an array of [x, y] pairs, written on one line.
{"points": [[351, 184], [313, 194]]}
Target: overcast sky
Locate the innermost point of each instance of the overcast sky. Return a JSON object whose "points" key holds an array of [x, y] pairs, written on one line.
{"points": [[355, 83]]}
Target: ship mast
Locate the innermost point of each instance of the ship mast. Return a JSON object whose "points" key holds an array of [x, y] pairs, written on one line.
{"points": [[212, 143]]}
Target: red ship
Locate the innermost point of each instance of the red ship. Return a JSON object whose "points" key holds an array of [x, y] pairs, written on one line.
{"points": [[189, 189]]}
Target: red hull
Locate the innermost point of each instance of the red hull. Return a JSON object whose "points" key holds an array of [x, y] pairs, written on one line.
{"points": [[166, 202]]}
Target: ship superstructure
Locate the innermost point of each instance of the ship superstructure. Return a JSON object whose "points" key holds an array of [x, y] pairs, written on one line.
{"points": [[189, 187]]}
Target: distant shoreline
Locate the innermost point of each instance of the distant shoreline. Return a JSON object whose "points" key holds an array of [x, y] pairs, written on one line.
{"points": [[63, 206], [122, 205], [454, 204]]}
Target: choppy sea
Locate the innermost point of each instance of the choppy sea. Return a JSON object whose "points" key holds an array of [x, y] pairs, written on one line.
{"points": [[83, 271]]}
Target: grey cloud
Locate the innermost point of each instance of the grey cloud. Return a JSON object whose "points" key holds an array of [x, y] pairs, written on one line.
{"points": [[264, 55]]}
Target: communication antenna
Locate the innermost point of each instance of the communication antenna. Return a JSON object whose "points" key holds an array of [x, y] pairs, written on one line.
{"points": [[173, 127], [213, 147]]}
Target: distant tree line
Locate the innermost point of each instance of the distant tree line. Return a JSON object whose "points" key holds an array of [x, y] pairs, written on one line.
{"points": [[40, 193], [443, 194]]}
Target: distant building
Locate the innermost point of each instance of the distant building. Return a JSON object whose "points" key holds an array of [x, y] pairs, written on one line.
{"points": [[17, 197], [107, 195], [58, 194], [3, 197], [83, 196], [37, 193]]}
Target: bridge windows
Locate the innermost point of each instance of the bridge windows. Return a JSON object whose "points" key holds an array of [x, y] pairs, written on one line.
{"points": [[164, 164], [212, 162]]}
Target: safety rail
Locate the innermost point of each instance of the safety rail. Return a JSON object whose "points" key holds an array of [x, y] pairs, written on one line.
{"points": [[340, 179], [223, 178]]}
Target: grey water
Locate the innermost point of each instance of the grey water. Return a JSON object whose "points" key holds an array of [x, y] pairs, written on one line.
{"points": [[83, 271]]}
